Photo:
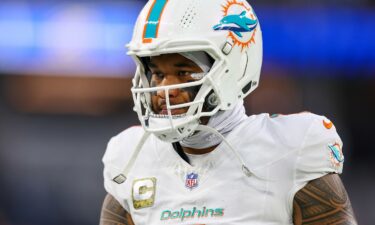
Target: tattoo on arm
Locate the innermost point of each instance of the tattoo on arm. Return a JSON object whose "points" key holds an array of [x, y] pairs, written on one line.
{"points": [[113, 213], [323, 201]]}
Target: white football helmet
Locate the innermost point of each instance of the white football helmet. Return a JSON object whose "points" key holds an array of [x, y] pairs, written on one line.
{"points": [[227, 30]]}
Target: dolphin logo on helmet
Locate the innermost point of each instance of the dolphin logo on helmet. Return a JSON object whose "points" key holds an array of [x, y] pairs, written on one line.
{"points": [[237, 24]]}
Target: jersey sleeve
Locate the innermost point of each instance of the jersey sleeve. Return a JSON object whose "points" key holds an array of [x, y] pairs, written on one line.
{"points": [[111, 170], [320, 153], [115, 158]]}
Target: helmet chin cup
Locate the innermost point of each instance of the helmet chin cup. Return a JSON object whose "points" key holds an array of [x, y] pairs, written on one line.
{"points": [[171, 130]]}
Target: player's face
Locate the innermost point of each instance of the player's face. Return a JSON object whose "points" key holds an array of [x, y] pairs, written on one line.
{"points": [[170, 69]]}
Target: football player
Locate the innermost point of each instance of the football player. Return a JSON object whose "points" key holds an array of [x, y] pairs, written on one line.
{"points": [[198, 158]]}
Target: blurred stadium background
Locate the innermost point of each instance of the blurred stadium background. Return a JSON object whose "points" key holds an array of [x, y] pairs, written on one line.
{"points": [[64, 91]]}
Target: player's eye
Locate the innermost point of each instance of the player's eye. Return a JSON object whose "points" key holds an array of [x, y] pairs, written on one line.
{"points": [[184, 73], [158, 75]]}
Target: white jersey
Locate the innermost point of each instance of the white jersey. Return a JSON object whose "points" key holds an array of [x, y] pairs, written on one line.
{"points": [[283, 153]]}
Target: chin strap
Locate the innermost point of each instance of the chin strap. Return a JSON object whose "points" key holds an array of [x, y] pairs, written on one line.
{"points": [[244, 168], [121, 178]]}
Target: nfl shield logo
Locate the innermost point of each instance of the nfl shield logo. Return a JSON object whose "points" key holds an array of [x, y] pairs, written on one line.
{"points": [[191, 180]]}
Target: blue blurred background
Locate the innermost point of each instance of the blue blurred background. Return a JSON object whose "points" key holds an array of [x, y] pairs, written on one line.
{"points": [[64, 91]]}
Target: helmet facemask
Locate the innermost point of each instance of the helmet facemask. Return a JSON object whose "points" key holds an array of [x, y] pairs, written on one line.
{"points": [[169, 125]]}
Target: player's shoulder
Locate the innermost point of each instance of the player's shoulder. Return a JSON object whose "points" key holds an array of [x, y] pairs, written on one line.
{"points": [[280, 141], [304, 125], [296, 119], [288, 130], [120, 147], [126, 139], [300, 120], [311, 126], [130, 134]]}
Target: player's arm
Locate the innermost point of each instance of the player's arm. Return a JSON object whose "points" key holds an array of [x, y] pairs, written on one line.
{"points": [[323, 201], [113, 213]]}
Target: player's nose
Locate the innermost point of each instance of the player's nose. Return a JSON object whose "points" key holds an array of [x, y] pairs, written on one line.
{"points": [[169, 80]]}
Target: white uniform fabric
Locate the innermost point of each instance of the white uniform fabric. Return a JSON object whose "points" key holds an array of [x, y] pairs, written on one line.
{"points": [[284, 153], [223, 122]]}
